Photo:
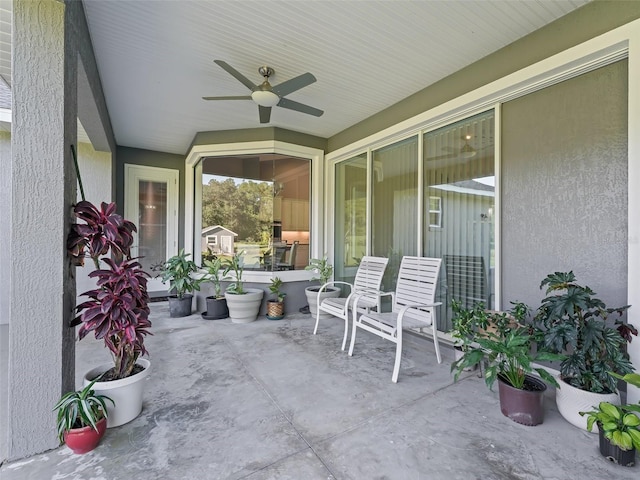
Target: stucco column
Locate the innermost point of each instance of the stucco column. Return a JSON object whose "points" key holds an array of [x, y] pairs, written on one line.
{"points": [[41, 345]]}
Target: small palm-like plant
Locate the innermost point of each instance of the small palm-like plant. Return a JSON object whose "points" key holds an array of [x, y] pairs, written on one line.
{"points": [[618, 423], [213, 267], [79, 409], [235, 265]]}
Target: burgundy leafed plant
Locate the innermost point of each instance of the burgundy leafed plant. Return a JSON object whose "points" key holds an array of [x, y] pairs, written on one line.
{"points": [[117, 311], [103, 231]]}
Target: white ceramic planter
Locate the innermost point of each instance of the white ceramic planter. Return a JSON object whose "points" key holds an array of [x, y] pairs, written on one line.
{"points": [[244, 308], [126, 393], [571, 400], [312, 300]]}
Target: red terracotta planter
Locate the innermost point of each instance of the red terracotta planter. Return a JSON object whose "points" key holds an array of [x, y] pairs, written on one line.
{"points": [[85, 439]]}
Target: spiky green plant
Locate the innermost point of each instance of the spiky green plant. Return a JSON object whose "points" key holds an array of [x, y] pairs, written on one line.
{"points": [[79, 409]]}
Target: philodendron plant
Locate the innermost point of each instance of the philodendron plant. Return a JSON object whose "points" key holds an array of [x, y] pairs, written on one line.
{"points": [[619, 423], [506, 347]]}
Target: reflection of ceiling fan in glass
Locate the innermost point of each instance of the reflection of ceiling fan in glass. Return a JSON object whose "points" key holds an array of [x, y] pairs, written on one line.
{"points": [[267, 96], [467, 151], [457, 154]]}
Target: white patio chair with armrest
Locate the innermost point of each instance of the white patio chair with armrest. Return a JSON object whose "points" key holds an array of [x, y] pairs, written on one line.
{"points": [[368, 279], [412, 302]]}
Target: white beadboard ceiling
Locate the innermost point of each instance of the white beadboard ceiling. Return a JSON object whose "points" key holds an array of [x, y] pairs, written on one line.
{"points": [[156, 57]]}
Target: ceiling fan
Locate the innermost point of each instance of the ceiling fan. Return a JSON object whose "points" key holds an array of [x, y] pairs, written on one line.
{"points": [[267, 96]]}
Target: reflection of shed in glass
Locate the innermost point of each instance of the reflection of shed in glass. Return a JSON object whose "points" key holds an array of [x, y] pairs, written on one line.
{"points": [[218, 239]]}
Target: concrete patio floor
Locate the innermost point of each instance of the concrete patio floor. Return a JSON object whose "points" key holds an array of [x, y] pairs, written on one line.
{"points": [[269, 400]]}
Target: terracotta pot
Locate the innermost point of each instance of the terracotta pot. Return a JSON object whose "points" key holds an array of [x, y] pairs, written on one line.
{"points": [[523, 406], [85, 439], [613, 453], [275, 310]]}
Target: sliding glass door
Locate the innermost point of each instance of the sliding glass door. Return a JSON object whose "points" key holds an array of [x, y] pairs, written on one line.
{"points": [[459, 206]]}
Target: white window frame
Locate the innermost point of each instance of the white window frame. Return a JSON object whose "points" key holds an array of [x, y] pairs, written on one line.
{"points": [[212, 240], [438, 212], [193, 191]]}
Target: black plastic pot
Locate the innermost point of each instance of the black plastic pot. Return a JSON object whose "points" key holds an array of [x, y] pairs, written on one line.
{"points": [[523, 406], [613, 453], [216, 308], [180, 307]]}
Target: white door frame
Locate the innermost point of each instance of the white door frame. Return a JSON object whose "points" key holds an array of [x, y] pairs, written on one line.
{"points": [[133, 174]]}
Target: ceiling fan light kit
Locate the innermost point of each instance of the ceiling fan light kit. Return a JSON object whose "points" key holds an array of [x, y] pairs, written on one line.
{"points": [[266, 96]]}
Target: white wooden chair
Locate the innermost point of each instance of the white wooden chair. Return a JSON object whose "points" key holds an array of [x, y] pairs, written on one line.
{"points": [[413, 305], [368, 279]]}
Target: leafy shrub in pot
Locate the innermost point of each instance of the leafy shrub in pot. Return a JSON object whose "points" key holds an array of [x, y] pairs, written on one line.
{"points": [[619, 426], [178, 271], [506, 349], [572, 320], [117, 311]]}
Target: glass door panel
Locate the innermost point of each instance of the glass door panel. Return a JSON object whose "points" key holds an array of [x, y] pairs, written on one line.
{"points": [[394, 204], [152, 226], [460, 203], [350, 242], [151, 202]]}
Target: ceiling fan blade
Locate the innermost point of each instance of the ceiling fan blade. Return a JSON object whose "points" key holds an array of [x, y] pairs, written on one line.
{"points": [[238, 76], [245, 97], [299, 107], [289, 86], [265, 114]]}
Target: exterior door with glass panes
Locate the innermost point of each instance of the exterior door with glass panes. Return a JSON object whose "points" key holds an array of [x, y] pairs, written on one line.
{"points": [[151, 202]]}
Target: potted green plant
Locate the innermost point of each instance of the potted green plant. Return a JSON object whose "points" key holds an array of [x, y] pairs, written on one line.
{"points": [[244, 303], [178, 271], [323, 270], [618, 427], [117, 311], [506, 350], [465, 324], [275, 306], [82, 418], [216, 303], [571, 319]]}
